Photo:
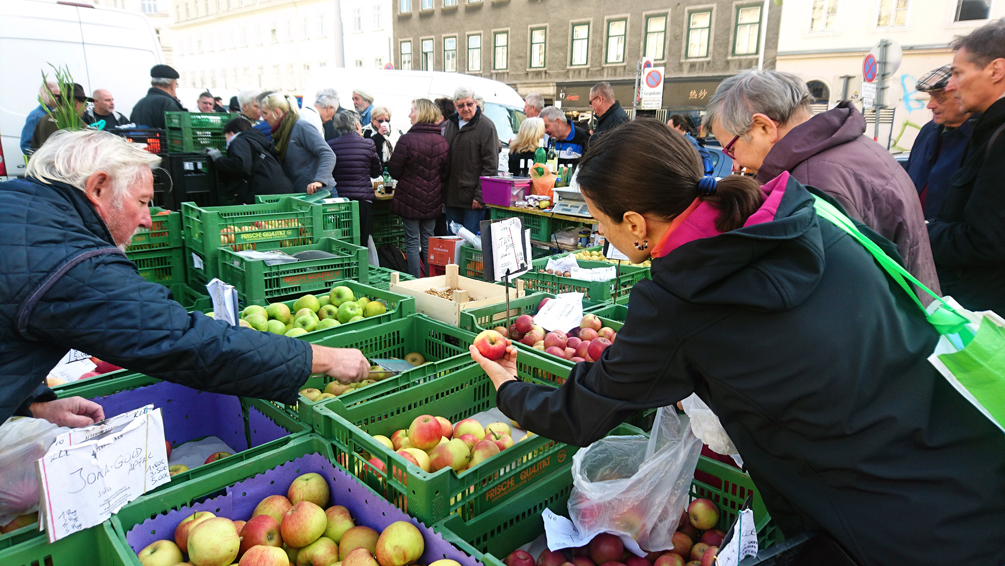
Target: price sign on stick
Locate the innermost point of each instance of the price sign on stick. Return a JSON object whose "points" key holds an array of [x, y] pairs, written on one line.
{"points": [[508, 253], [89, 473], [224, 301], [741, 540]]}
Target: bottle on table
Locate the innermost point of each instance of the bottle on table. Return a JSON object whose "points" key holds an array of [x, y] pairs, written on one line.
{"points": [[552, 157], [540, 155]]}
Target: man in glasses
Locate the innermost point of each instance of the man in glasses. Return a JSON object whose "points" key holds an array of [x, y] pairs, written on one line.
{"points": [[607, 110], [938, 150], [474, 153], [47, 126]]}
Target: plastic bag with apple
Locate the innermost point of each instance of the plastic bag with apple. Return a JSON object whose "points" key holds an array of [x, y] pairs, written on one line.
{"points": [[23, 440], [636, 486]]}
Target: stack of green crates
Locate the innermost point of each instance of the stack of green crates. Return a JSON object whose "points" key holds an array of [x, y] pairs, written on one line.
{"points": [[158, 252], [189, 132], [541, 227], [596, 292], [340, 220], [380, 277], [387, 228]]}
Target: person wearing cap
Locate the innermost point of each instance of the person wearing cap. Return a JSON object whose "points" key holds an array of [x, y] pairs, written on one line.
{"points": [[161, 98], [363, 102], [938, 150], [47, 126]]}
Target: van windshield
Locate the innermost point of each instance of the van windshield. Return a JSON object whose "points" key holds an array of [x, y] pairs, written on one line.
{"points": [[507, 120]]}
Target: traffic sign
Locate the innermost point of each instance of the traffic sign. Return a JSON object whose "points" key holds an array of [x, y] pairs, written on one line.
{"points": [[870, 68], [654, 78], [651, 91], [389, 67], [647, 64]]}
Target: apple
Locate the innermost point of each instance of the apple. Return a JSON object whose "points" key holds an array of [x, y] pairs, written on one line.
{"points": [[501, 428], [213, 542], [378, 464], [577, 359], [357, 537], [294, 332], [543, 302], [524, 323], [597, 347], [310, 393], [682, 544], [160, 553], [446, 428], [582, 351], [519, 558], [239, 525], [254, 309], [708, 557], [502, 330], [671, 559], [324, 299], [445, 562], [355, 318], [590, 321], [398, 439], [324, 396], [469, 426], [469, 439], [636, 561], [19, 522], [514, 334], [533, 337], [583, 560], [307, 323], [304, 312], [556, 338], [339, 295], [274, 506], [275, 327], [454, 454], [539, 345], [425, 432], [184, 528], [581, 551], [482, 451], [359, 557], [217, 456], [167, 447], [703, 514], [309, 487], [713, 537], [555, 351], [606, 547], [278, 311], [336, 388], [363, 302], [550, 558], [698, 550], [303, 524], [265, 556], [322, 552], [690, 531], [258, 322], [573, 342], [415, 358], [399, 544], [491, 344], [607, 332], [588, 334], [339, 521], [307, 302], [348, 311], [260, 530], [177, 469], [409, 458], [503, 441], [420, 456], [374, 308], [383, 440], [327, 311]]}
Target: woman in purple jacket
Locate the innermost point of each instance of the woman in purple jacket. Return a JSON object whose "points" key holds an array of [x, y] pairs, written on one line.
{"points": [[419, 163], [356, 162]]}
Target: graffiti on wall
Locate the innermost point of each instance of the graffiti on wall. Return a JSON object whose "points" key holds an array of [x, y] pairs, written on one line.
{"points": [[912, 102]]}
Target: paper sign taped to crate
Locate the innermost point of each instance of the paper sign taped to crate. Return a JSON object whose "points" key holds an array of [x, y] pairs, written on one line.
{"points": [[508, 248], [224, 301], [595, 274], [741, 540], [90, 473], [564, 312], [562, 264], [562, 533], [197, 262], [72, 365]]}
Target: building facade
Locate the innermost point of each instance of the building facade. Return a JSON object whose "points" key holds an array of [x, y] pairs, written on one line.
{"points": [[366, 33], [826, 41], [561, 48], [157, 12]]}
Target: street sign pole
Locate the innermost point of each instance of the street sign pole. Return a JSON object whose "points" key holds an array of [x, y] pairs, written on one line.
{"points": [[880, 88], [635, 99]]}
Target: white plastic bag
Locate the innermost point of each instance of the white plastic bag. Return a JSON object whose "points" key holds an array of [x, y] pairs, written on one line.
{"points": [[706, 426], [23, 441], [636, 486]]}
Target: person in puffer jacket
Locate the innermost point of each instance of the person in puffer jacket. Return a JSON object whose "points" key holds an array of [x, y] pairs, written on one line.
{"points": [[356, 162], [420, 163]]}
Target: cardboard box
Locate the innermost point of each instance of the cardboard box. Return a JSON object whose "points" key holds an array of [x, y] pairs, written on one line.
{"points": [[468, 294], [444, 250]]}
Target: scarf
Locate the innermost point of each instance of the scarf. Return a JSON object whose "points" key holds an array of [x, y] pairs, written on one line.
{"points": [[281, 134]]}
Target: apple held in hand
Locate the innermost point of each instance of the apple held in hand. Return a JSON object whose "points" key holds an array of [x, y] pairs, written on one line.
{"points": [[309, 487], [160, 553], [491, 344], [399, 544], [213, 542], [425, 432]]}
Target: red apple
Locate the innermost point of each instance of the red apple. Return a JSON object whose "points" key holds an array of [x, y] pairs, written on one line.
{"points": [[543, 302], [408, 457], [469, 426], [555, 338], [502, 330], [682, 544], [582, 552], [637, 561], [261, 530], [570, 353], [514, 334], [597, 347], [590, 321], [425, 431], [524, 324], [216, 456], [183, 529], [532, 338], [239, 525], [167, 446], [583, 560], [582, 351], [573, 342], [303, 524], [698, 550], [454, 454], [519, 558], [652, 556], [703, 514], [613, 563], [671, 559], [690, 531], [378, 464], [482, 451], [550, 558], [577, 359], [503, 441], [606, 547], [358, 537], [446, 428], [359, 557], [491, 344], [309, 487], [274, 506], [265, 556], [470, 440], [713, 537], [399, 439], [708, 558], [588, 334], [554, 351], [607, 332]]}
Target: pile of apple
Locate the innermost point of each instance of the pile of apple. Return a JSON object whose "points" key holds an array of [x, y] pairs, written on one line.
{"points": [[310, 313], [695, 543], [293, 529], [179, 468], [432, 443], [584, 343], [228, 235], [377, 373]]}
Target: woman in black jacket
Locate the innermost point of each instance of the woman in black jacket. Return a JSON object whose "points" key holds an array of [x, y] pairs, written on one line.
{"points": [[249, 168], [784, 325], [356, 162]]}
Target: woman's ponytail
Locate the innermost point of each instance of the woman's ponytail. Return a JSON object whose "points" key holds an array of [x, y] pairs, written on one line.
{"points": [[736, 197]]}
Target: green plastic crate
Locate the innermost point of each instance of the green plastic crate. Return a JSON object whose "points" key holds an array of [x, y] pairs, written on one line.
{"points": [[541, 227], [380, 277], [257, 283], [165, 232], [613, 312], [430, 496], [490, 538], [165, 265], [387, 228], [470, 263], [208, 230], [340, 220], [189, 132], [99, 546], [191, 299], [595, 291]]}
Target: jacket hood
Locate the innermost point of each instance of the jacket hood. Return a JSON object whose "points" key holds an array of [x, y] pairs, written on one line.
{"points": [[257, 137], [773, 263], [838, 126]]}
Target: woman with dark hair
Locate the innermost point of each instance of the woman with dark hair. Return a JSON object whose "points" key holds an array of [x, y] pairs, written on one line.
{"points": [[356, 162], [447, 109], [250, 167], [814, 361]]}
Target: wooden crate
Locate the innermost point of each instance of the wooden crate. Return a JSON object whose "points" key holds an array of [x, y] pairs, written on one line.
{"points": [[468, 294]]}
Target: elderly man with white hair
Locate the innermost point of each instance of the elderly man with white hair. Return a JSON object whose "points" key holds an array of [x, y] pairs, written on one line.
{"points": [[44, 97], [363, 102], [66, 283], [474, 153], [327, 103]]}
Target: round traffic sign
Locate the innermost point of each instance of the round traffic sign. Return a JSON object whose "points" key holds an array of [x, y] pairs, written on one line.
{"points": [[646, 65], [389, 67], [654, 78], [869, 68]]}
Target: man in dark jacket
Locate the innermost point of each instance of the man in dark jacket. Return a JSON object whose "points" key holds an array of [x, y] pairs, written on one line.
{"points": [[104, 110], [250, 168], [67, 284], [968, 235], [161, 98], [608, 111], [938, 150], [474, 153], [356, 162], [764, 121]]}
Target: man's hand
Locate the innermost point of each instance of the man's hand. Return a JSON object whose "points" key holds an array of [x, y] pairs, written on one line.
{"points": [[499, 371], [311, 188], [476, 205], [73, 412], [344, 364]]}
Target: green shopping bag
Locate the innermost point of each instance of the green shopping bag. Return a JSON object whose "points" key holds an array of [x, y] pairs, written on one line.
{"points": [[971, 350]]}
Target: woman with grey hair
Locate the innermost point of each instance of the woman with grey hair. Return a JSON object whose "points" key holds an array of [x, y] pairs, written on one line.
{"points": [[356, 162], [326, 102], [764, 122]]}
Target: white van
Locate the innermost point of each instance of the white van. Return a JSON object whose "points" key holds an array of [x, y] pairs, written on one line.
{"points": [[103, 48], [397, 89]]}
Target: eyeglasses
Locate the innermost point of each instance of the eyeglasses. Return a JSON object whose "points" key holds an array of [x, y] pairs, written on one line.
{"points": [[594, 98], [465, 105], [728, 148]]}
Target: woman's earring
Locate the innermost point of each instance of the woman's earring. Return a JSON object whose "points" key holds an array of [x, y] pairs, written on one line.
{"points": [[644, 245]]}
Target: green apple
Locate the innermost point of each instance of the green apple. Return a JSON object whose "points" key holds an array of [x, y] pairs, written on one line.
{"points": [[307, 302], [327, 323], [347, 310], [214, 541], [294, 332], [254, 309], [362, 301], [258, 321], [160, 553], [399, 544], [327, 311], [280, 312], [323, 299], [308, 323], [276, 327], [305, 312], [211, 314], [355, 318], [341, 295], [244, 323], [374, 308]]}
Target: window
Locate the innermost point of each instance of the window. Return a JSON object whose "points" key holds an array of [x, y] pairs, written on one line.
{"points": [[404, 6], [699, 26], [305, 31], [426, 5], [892, 13], [538, 39], [656, 31], [500, 55], [357, 19], [274, 34], [148, 6], [967, 10], [244, 36], [819, 91], [449, 3], [359, 63], [450, 54], [405, 57], [580, 52], [377, 16], [322, 30], [748, 30], [823, 17], [261, 77], [378, 62], [616, 30], [427, 54], [474, 53], [289, 30]]}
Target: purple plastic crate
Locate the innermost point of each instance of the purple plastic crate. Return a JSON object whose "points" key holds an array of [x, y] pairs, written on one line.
{"points": [[503, 191]]}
